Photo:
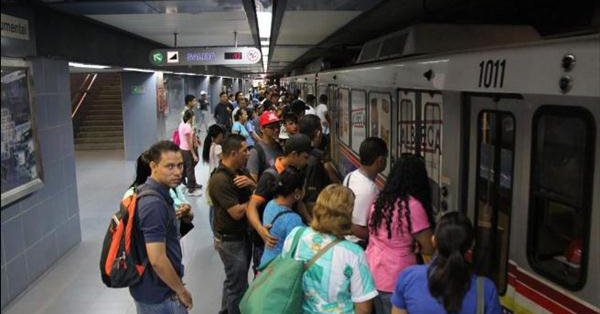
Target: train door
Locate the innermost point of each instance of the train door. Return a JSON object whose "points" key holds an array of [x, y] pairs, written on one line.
{"points": [[419, 131], [491, 172]]}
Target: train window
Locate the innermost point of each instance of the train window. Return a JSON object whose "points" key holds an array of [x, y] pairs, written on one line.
{"points": [[380, 119], [343, 119], [562, 165], [495, 154], [407, 118], [358, 118]]}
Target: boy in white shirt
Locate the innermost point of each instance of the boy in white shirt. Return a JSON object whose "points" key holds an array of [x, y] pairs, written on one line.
{"points": [[373, 159]]}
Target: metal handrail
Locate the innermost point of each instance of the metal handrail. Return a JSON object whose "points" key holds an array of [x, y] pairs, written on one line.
{"points": [[85, 93]]}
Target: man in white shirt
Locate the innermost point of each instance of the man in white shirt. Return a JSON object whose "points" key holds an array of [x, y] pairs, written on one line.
{"points": [[373, 159], [310, 103], [323, 114]]}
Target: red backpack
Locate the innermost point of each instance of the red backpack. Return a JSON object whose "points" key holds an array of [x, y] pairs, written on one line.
{"points": [[175, 137], [123, 261]]}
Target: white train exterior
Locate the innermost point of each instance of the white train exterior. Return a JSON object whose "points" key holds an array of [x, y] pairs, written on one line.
{"points": [[510, 135]]}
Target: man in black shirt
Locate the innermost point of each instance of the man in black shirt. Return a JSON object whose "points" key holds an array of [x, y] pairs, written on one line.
{"points": [[230, 187], [203, 112], [223, 112]]}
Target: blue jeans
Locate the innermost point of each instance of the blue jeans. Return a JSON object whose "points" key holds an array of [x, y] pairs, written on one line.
{"points": [[235, 256], [383, 303], [169, 306]]}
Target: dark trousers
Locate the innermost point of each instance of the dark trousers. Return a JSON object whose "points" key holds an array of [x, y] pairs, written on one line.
{"points": [[235, 256], [188, 170]]}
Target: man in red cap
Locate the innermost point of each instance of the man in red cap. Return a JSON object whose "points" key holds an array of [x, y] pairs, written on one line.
{"points": [[267, 149]]}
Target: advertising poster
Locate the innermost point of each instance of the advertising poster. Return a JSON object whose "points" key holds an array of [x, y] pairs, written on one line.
{"points": [[21, 163]]}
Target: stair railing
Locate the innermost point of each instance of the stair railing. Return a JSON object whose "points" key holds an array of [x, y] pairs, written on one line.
{"points": [[84, 89]]}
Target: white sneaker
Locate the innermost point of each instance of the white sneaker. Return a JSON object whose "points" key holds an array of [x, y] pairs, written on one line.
{"points": [[195, 193]]}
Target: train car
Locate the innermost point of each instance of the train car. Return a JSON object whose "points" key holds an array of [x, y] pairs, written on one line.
{"points": [[509, 135]]}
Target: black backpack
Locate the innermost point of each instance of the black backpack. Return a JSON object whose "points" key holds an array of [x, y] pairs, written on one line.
{"points": [[262, 158], [316, 180]]}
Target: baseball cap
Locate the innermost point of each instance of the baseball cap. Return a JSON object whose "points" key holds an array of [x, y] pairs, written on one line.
{"points": [[203, 93], [299, 143], [268, 117]]}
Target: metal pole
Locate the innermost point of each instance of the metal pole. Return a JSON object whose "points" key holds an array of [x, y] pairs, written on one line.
{"points": [[175, 40], [235, 38]]}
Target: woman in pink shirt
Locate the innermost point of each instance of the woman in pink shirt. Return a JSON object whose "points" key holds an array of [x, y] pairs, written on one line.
{"points": [[400, 216]]}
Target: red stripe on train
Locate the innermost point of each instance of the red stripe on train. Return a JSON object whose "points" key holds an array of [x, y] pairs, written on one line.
{"points": [[531, 287]]}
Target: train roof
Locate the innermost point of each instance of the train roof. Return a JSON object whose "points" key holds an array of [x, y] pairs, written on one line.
{"points": [[530, 68]]}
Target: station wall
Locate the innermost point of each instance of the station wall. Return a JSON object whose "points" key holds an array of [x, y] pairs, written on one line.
{"points": [[40, 228]]}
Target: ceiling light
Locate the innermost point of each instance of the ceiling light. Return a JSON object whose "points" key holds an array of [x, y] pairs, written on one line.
{"points": [[138, 70], [265, 43], [89, 66], [265, 51], [264, 24]]}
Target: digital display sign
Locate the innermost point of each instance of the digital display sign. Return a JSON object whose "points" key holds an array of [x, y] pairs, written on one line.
{"points": [[205, 56], [233, 56]]}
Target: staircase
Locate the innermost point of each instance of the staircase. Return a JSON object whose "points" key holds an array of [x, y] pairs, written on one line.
{"points": [[101, 126]]}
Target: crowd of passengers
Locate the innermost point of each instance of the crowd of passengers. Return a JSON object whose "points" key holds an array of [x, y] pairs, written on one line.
{"points": [[270, 181]]}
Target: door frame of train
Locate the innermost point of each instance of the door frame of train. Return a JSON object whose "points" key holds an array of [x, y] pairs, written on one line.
{"points": [[418, 121]]}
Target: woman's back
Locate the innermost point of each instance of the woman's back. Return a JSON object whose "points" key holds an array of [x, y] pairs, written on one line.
{"points": [[286, 221], [412, 294], [338, 279]]}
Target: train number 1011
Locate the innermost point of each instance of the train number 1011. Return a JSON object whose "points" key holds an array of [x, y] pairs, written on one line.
{"points": [[491, 73]]}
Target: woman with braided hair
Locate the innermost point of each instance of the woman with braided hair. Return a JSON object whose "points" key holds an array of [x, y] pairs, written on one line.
{"points": [[400, 216]]}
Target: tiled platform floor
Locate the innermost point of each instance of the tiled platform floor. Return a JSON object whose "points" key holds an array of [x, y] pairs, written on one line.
{"points": [[73, 284]]}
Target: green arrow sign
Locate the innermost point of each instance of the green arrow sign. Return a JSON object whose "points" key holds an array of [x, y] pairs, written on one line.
{"points": [[158, 57]]}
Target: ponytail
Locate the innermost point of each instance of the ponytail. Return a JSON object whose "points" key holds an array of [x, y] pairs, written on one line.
{"points": [[213, 131], [449, 275]]}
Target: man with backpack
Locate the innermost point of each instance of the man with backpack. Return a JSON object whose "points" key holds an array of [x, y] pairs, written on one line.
{"points": [[296, 155], [319, 172], [230, 187], [267, 149], [160, 289]]}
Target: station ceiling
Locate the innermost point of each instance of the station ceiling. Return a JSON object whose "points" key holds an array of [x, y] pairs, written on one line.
{"points": [[302, 31]]}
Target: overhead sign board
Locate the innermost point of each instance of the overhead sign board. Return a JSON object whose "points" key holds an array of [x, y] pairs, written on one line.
{"points": [[205, 56], [14, 27]]}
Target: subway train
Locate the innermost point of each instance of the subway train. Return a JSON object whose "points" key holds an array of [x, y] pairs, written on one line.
{"points": [[509, 135]]}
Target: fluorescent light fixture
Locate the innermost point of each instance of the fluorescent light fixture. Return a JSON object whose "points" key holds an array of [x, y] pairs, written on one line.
{"points": [[89, 66], [265, 43], [264, 24], [265, 51], [138, 70]]}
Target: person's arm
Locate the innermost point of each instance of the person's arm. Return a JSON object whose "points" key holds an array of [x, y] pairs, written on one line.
{"points": [[157, 257], [424, 240], [396, 310], [238, 211], [261, 194], [189, 138], [153, 226], [363, 307], [361, 232], [331, 172]]}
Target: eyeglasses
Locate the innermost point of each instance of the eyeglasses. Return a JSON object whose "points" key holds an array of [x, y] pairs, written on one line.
{"points": [[272, 126]]}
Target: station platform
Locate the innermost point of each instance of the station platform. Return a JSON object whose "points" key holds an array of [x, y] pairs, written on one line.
{"points": [[73, 284]]}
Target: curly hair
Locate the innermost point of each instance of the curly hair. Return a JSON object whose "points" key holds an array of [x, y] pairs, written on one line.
{"points": [[408, 177], [333, 211]]}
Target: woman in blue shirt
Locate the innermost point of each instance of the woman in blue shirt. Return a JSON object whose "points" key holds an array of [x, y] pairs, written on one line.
{"points": [[279, 211], [447, 284]]}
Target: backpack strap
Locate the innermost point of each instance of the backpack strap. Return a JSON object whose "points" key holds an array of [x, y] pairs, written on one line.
{"points": [[480, 296], [321, 252], [149, 191], [279, 214], [295, 241], [348, 181]]}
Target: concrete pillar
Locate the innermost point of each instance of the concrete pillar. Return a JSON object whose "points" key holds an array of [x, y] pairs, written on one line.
{"points": [[140, 122], [215, 84]]}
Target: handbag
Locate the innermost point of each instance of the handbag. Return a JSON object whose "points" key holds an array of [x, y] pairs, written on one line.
{"points": [[185, 227]]}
